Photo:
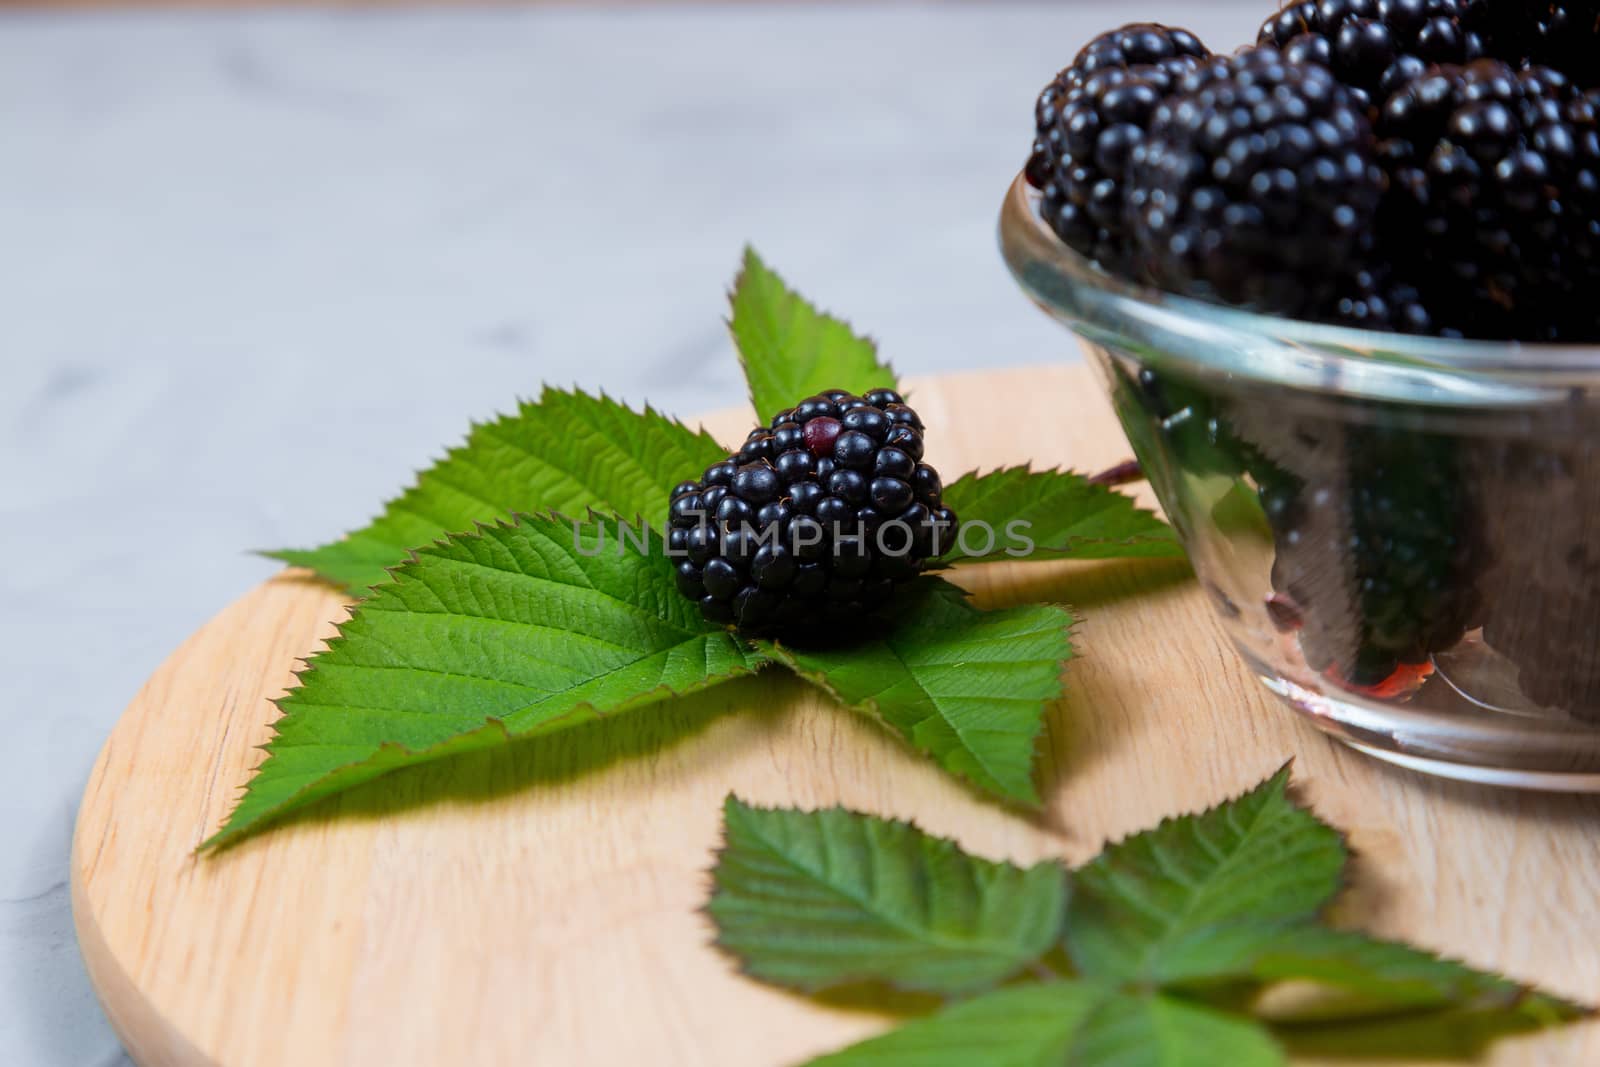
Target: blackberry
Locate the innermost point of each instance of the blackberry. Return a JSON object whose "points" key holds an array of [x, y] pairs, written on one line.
{"points": [[1257, 185], [1087, 122], [814, 520], [1378, 544], [1376, 46], [1494, 198], [1415, 545], [1564, 36]]}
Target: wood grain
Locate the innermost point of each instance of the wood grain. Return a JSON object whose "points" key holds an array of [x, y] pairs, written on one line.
{"points": [[538, 905]]}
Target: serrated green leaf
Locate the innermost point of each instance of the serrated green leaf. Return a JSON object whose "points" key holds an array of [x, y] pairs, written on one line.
{"points": [[1372, 976], [968, 687], [1184, 926], [1138, 907], [812, 900], [1063, 514], [568, 452], [1132, 1030], [1411, 1037], [1024, 1026], [510, 632], [790, 350]]}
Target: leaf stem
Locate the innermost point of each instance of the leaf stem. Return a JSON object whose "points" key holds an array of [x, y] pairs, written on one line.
{"points": [[1123, 473]]}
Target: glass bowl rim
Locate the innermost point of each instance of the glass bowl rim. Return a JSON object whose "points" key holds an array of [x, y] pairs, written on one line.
{"points": [[1073, 288]]}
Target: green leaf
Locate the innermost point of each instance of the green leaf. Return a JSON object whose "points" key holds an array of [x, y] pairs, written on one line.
{"points": [[1133, 1030], [1140, 907], [811, 900], [790, 350], [1166, 928], [1071, 1023], [569, 452], [1374, 976], [1411, 1037], [968, 687], [1024, 1026], [510, 632], [1063, 514]]}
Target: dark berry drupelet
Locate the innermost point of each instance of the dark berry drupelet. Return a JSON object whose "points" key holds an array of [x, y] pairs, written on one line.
{"points": [[1257, 185], [1087, 122], [1376, 46], [1563, 35], [815, 519], [1493, 208], [1375, 299], [1138, 44]]}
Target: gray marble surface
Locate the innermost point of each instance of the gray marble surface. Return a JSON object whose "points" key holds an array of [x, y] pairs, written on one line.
{"points": [[257, 267]]}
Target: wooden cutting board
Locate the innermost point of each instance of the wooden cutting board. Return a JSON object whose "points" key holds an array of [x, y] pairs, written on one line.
{"points": [[538, 905]]}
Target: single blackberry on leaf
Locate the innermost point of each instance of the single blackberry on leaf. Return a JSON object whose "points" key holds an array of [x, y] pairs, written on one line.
{"points": [[1087, 122], [814, 520], [1493, 206], [1376, 46], [1257, 185]]}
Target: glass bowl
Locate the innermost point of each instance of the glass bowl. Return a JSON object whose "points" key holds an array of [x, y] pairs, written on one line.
{"points": [[1400, 535]]}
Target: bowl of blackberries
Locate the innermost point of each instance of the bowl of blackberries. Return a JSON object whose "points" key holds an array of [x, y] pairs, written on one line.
{"points": [[1343, 287]]}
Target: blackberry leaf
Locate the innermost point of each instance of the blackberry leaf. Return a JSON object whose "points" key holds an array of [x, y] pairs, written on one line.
{"points": [[1024, 1026], [1367, 976], [789, 349], [968, 687], [812, 900], [1174, 932], [1081, 1023], [507, 633], [1143, 1030], [1257, 859], [1066, 516], [568, 452]]}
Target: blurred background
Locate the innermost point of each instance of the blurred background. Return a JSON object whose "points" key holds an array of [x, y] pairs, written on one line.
{"points": [[258, 264]]}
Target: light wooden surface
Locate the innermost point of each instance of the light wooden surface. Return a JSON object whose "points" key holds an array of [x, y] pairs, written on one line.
{"points": [[534, 906]]}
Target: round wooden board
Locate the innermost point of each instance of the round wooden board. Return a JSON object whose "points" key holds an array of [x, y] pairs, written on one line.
{"points": [[536, 905]]}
